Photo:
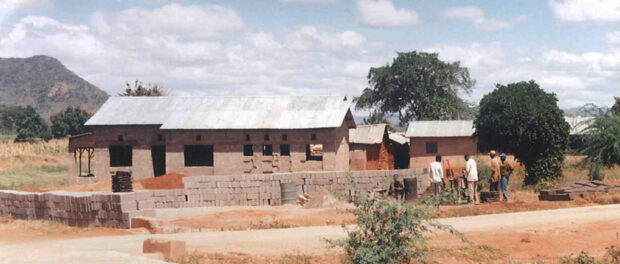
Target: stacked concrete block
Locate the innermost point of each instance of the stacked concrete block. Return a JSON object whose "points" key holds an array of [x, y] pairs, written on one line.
{"points": [[265, 189], [171, 199], [77, 209]]}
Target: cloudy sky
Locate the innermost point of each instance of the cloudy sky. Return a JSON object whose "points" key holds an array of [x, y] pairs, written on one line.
{"points": [[570, 47]]}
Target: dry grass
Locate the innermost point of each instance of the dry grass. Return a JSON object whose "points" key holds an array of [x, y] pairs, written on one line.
{"points": [[33, 165]]}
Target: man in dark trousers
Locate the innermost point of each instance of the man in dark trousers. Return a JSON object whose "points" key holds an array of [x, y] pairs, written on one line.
{"points": [[505, 169]]}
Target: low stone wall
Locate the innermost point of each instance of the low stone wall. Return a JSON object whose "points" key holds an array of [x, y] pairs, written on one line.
{"points": [[78, 209], [265, 189], [116, 209]]}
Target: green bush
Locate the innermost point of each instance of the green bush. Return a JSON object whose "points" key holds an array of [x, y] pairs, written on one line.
{"points": [[388, 230], [602, 144]]}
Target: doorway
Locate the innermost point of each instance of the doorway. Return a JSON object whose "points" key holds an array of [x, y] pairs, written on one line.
{"points": [[158, 155]]}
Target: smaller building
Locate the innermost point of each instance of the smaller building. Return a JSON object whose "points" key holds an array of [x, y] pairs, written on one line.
{"points": [[449, 138], [369, 148]]}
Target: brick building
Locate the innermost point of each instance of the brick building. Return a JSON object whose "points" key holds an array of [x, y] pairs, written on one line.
{"points": [[369, 146], [451, 139], [214, 135]]}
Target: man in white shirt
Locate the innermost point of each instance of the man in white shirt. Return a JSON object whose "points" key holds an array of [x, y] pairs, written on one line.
{"points": [[436, 175], [471, 172]]}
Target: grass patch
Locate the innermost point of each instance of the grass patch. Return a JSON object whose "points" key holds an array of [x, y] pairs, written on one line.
{"points": [[40, 165]]}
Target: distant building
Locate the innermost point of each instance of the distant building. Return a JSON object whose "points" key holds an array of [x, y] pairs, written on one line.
{"points": [[152, 136], [369, 148], [451, 139]]}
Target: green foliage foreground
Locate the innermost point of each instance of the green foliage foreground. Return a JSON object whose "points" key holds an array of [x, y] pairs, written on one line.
{"points": [[69, 122], [523, 120], [388, 230]]}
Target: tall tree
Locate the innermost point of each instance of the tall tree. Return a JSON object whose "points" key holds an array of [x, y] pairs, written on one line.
{"points": [[417, 86], [523, 120], [138, 89], [30, 126], [615, 109], [68, 122]]}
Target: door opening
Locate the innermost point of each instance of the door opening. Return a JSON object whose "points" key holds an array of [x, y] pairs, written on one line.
{"points": [[158, 155]]}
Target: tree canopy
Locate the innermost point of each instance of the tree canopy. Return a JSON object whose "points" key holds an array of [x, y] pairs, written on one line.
{"points": [[417, 86], [68, 122], [615, 109], [138, 89], [602, 142], [523, 120], [30, 125]]}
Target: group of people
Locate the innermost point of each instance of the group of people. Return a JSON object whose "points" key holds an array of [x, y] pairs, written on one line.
{"points": [[500, 175]]}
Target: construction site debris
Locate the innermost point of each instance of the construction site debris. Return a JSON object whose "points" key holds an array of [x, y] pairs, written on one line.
{"points": [[121, 182], [170, 249], [580, 189]]}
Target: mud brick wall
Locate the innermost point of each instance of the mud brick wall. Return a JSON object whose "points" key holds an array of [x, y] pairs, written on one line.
{"points": [[266, 189], [78, 209]]}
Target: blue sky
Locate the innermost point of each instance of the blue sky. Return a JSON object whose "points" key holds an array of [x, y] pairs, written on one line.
{"points": [[570, 47]]}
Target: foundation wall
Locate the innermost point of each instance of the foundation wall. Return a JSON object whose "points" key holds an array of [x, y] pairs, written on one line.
{"points": [[117, 209]]}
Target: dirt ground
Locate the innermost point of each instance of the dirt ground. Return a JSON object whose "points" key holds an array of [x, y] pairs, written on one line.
{"points": [[499, 238]]}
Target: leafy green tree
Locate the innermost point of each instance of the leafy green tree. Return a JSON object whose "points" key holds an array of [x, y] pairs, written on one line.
{"points": [[8, 114], [138, 89], [31, 126], [417, 86], [602, 145], [68, 122], [615, 109], [523, 120]]}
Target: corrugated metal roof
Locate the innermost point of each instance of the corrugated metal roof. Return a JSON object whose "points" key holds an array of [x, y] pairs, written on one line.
{"points": [[224, 112], [578, 124], [440, 128], [367, 134], [398, 138]]}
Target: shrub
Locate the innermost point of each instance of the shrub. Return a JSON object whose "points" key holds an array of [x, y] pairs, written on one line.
{"points": [[484, 174], [603, 144], [388, 231]]}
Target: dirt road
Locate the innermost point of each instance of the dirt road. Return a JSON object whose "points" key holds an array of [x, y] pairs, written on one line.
{"points": [[127, 249]]}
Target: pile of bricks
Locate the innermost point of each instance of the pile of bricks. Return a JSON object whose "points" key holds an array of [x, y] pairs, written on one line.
{"points": [[580, 189], [171, 199], [77, 209], [264, 189]]}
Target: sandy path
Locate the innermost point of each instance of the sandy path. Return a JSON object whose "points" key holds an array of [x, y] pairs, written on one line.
{"points": [[127, 249]]}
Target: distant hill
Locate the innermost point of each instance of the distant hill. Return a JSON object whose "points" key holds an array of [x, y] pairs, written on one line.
{"points": [[46, 84], [578, 111]]}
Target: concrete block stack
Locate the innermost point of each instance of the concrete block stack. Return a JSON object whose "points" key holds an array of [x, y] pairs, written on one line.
{"points": [[171, 199], [77, 209], [264, 189]]}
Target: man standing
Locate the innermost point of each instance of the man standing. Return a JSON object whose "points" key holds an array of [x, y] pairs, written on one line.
{"points": [[494, 164], [505, 170], [436, 175], [471, 172]]}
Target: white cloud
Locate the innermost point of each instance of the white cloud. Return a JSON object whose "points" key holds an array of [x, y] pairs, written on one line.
{"points": [[382, 13], [612, 37], [478, 19], [309, 38], [214, 58], [309, 1], [586, 10]]}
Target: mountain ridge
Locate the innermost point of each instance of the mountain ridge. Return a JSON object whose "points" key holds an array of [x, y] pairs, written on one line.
{"points": [[46, 84]]}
